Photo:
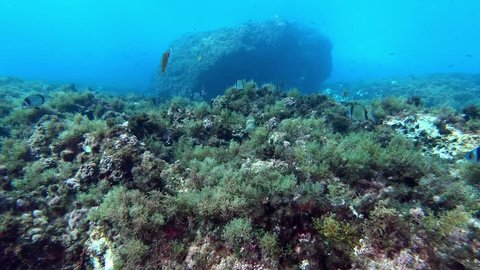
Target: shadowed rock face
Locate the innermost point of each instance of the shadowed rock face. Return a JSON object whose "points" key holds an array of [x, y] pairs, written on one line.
{"points": [[205, 64]]}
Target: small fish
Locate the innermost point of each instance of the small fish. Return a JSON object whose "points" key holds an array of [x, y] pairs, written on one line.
{"points": [[357, 112], [33, 101], [474, 155], [165, 57], [469, 56], [239, 85]]}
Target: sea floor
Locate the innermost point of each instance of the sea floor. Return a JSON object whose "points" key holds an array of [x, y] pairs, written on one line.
{"points": [[257, 178]]}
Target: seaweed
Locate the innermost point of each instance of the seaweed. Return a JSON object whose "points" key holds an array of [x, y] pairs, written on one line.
{"points": [[270, 246], [237, 232], [71, 102], [471, 112], [259, 176], [338, 234]]}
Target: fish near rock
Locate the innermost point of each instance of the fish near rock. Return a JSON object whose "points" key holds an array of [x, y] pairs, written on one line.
{"points": [[165, 57], [239, 85], [359, 113], [33, 101]]}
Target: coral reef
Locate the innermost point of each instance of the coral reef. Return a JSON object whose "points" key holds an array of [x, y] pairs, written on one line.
{"points": [[260, 178]]}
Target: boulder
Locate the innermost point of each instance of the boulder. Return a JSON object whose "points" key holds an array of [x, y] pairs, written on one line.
{"points": [[203, 65]]}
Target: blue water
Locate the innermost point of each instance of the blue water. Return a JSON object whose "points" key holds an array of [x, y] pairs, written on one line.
{"points": [[118, 44]]}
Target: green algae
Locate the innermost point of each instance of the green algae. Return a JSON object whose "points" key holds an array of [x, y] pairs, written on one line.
{"points": [[338, 234], [14, 155], [163, 178], [440, 226], [238, 231], [131, 211], [270, 245], [470, 172]]}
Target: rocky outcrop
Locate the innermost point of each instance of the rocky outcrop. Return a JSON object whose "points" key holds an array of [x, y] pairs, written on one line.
{"points": [[280, 52], [444, 140]]}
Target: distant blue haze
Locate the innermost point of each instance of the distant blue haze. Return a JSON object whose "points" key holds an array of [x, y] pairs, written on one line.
{"points": [[119, 43]]}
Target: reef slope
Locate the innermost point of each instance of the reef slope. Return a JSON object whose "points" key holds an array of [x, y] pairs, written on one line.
{"points": [[257, 179]]}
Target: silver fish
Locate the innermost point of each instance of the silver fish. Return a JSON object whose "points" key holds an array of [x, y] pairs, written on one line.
{"points": [[32, 101], [239, 85]]}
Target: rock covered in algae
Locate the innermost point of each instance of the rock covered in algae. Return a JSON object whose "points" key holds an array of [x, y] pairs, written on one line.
{"points": [[176, 188], [424, 128], [100, 250], [206, 63]]}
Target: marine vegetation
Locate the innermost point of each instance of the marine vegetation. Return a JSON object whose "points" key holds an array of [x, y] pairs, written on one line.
{"points": [[258, 178]]}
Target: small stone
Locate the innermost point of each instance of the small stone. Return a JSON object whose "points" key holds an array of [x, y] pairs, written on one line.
{"points": [[37, 213], [417, 213], [21, 203], [87, 149], [86, 173], [40, 221], [305, 265], [207, 123], [67, 155], [26, 218], [35, 231], [250, 125], [288, 101], [277, 138], [55, 200], [72, 182], [37, 238], [272, 123], [438, 199]]}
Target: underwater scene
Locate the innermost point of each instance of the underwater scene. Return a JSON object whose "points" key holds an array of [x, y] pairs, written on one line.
{"points": [[240, 134]]}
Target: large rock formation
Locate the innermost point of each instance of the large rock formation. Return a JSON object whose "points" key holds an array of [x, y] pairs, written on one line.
{"points": [[205, 64]]}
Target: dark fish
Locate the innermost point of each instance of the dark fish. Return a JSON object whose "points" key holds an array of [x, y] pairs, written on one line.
{"points": [[357, 112], [474, 155], [469, 56], [165, 57], [34, 100]]}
